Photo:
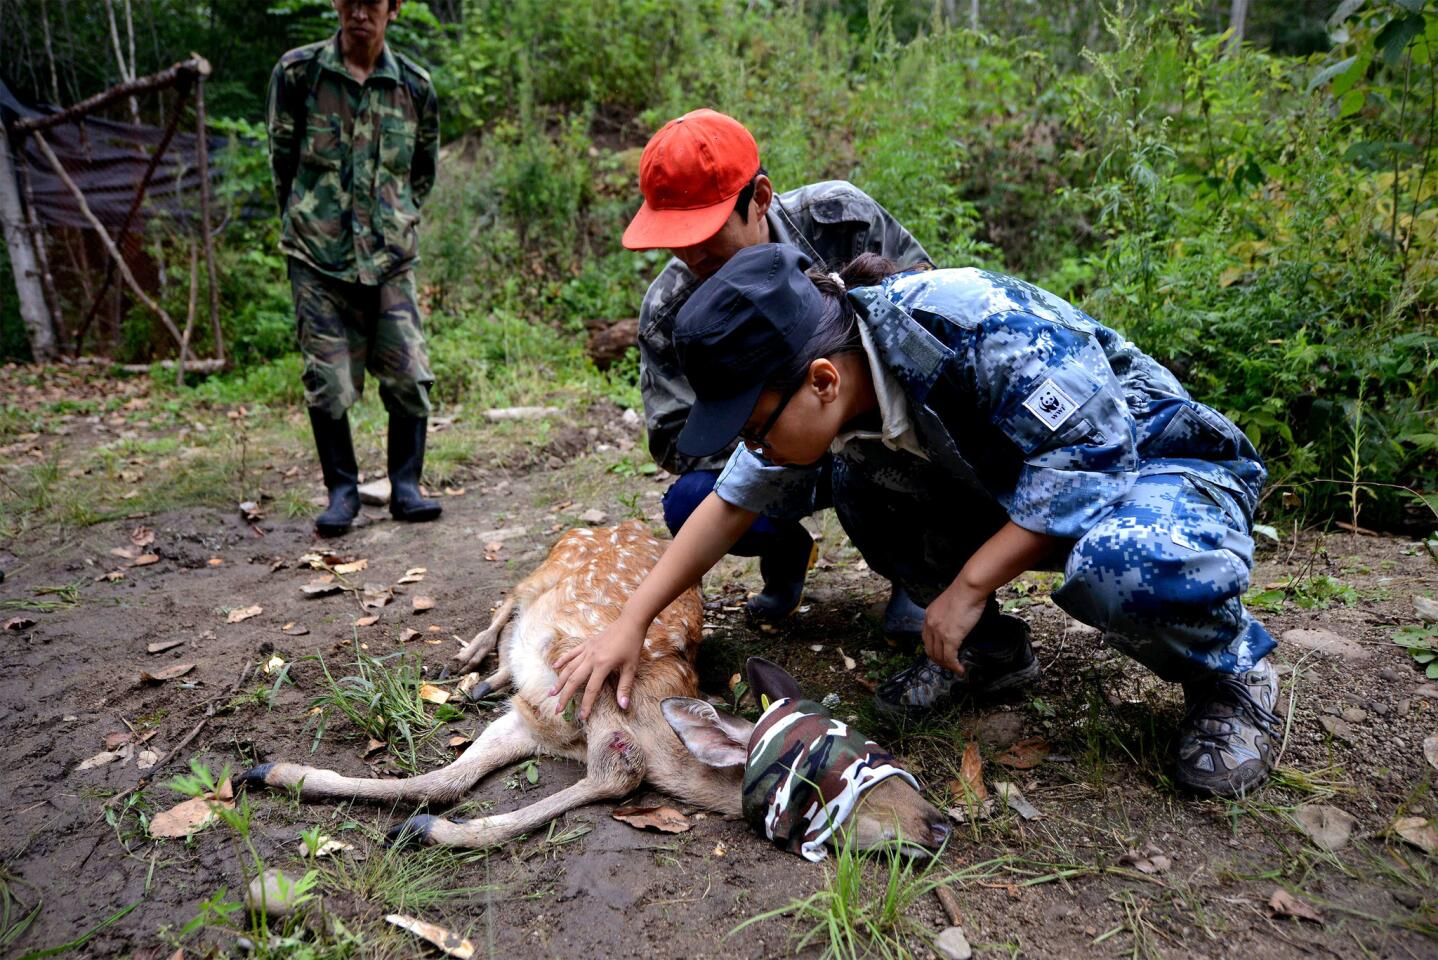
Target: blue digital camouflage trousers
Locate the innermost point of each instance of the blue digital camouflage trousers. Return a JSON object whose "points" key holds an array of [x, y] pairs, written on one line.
{"points": [[1162, 575], [347, 328]]}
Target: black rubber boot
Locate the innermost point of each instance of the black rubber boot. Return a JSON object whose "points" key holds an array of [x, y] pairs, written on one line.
{"points": [[406, 464], [903, 619], [337, 459], [783, 567]]}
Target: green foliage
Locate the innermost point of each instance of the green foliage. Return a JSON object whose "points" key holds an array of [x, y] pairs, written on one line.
{"points": [[1263, 218], [1421, 642]]}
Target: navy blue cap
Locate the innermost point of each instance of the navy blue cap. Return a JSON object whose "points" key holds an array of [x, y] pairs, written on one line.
{"points": [[744, 325]]}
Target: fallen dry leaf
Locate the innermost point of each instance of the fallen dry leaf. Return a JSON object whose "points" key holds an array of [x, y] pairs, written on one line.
{"points": [[321, 587], [185, 818], [19, 623], [1418, 831], [100, 759], [169, 673], [1016, 801], [373, 747], [413, 575], [1285, 904], [216, 561], [422, 604], [112, 576], [662, 819], [376, 595], [354, 566], [142, 536], [407, 634], [1327, 826], [147, 759], [144, 560], [367, 621], [1024, 755], [293, 629], [160, 646], [446, 940], [1148, 860], [116, 739], [459, 741], [243, 613], [124, 553], [971, 774], [329, 847], [274, 663], [848, 661], [429, 693], [251, 511], [593, 517]]}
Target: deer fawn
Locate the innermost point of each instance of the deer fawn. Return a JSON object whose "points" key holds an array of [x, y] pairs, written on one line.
{"points": [[576, 591]]}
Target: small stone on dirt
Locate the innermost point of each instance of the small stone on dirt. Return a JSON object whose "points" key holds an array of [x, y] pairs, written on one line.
{"points": [[160, 646], [375, 493], [272, 893], [1337, 728], [1354, 714], [951, 944], [593, 516], [1016, 801], [519, 413], [169, 673], [1327, 643], [19, 623], [1327, 826], [293, 629], [422, 604], [240, 614], [1426, 608]]}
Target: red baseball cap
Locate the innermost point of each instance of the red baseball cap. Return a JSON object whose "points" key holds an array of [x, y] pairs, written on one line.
{"points": [[690, 173]]}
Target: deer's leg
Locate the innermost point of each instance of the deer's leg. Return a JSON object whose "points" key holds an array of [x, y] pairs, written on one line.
{"points": [[495, 682], [615, 768], [477, 649], [507, 740]]}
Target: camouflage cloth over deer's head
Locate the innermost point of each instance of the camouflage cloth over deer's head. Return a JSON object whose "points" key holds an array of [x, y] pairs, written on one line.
{"points": [[805, 775]]}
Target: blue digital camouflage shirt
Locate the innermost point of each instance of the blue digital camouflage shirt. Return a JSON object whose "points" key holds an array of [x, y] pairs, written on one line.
{"points": [[1022, 398]]}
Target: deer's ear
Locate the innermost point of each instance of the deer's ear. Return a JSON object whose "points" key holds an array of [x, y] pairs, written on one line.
{"points": [[768, 679], [717, 739]]}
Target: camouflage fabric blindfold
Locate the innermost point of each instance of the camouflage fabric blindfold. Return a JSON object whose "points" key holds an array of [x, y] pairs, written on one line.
{"points": [[806, 773]]}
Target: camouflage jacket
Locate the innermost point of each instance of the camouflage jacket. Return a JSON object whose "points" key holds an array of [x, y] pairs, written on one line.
{"points": [[833, 222], [351, 162], [805, 774], [1021, 398]]}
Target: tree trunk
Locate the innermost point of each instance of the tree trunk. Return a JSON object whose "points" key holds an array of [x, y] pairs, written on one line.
{"points": [[974, 15], [1237, 20], [33, 310]]}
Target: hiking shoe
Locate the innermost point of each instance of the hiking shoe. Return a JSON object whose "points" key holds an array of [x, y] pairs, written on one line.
{"points": [[1001, 659], [784, 568], [903, 619], [1230, 733]]}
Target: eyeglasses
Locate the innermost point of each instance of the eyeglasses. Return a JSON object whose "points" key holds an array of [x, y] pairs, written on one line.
{"points": [[756, 437]]}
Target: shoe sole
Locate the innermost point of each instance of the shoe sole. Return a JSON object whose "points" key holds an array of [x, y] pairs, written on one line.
{"points": [[1009, 681]]}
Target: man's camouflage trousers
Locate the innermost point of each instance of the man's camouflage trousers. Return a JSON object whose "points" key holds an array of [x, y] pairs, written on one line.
{"points": [[347, 328]]}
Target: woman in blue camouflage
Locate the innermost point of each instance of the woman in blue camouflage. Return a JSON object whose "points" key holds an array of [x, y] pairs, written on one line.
{"points": [[980, 427]]}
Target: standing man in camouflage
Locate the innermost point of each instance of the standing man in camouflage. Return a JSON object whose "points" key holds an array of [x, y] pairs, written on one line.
{"points": [[706, 197], [354, 142]]}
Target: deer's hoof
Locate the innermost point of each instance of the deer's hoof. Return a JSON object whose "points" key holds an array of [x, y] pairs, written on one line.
{"points": [[255, 776], [411, 832], [480, 691]]}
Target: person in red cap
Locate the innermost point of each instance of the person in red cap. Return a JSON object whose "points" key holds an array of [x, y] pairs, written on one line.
{"points": [[706, 197]]}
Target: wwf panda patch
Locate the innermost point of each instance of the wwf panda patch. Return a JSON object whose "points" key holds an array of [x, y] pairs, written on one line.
{"points": [[1050, 404]]}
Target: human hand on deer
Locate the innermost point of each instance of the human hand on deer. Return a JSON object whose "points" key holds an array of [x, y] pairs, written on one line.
{"points": [[614, 650]]}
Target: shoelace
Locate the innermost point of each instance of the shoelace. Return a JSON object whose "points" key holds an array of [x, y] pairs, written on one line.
{"points": [[1243, 701]]}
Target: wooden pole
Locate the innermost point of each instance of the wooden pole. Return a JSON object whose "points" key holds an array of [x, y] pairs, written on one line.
{"points": [[39, 325], [202, 157], [42, 256], [99, 229], [189, 315], [195, 66]]}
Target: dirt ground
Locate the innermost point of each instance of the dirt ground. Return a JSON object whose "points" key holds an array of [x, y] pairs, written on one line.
{"points": [[1058, 885]]}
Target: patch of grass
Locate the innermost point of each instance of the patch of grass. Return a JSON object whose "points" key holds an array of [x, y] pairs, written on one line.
{"points": [[382, 699], [394, 880], [866, 907], [64, 597], [17, 913]]}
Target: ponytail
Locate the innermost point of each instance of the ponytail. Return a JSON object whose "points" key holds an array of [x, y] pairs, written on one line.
{"points": [[836, 330]]}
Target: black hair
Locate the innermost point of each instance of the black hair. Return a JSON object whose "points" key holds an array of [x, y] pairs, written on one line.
{"points": [[746, 196], [836, 329]]}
